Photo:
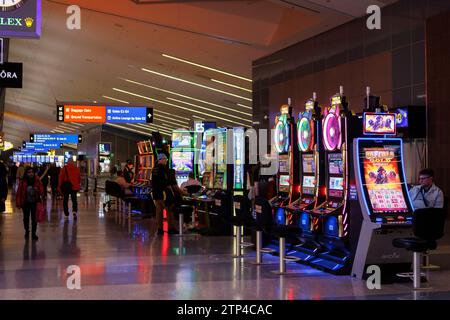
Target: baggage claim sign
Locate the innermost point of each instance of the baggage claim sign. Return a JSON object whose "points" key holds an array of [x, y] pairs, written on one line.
{"points": [[20, 18]]}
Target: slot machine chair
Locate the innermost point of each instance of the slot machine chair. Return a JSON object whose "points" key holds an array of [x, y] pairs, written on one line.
{"points": [[242, 218], [191, 190], [219, 216], [265, 223], [428, 226]]}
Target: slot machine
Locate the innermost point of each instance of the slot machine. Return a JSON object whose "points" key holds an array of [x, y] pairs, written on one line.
{"points": [[239, 172], [311, 174], [285, 143], [182, 155], [386, 210], [330, 220]]}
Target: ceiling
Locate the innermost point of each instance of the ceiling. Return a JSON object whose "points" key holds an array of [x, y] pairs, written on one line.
{"points": [[188, 59]]}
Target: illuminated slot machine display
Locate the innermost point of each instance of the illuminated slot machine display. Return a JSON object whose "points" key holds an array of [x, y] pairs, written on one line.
{"points": [[182, 155], [386, 209], [208, 160], [285, 142], [239, 174], [221, 169], [145, 160], [330, 219]]}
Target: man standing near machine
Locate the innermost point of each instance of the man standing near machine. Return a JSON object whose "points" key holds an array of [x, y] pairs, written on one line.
{"points": [[427, 194]]}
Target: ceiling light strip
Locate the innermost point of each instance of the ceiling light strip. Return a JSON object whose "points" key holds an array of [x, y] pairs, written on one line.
{"points": [[177, 106], [195, 84], [115, 99], [231, 85], [244, 106], [188, 97], [200, 107], [205, 67], [148, 128]]}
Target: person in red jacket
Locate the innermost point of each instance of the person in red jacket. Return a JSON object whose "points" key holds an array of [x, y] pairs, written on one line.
{"points": [[69, 184], [29, 193]]}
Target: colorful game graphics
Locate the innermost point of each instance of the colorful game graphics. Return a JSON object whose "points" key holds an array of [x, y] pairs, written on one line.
{"points": [[377, 123], [381, 175], [282, 141], [332, 136]]}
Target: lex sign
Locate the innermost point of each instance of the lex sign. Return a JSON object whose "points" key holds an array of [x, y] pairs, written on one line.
{"points": [[20, 19]]}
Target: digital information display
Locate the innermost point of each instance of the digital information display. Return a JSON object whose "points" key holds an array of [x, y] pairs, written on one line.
{"points": [[182, 162], [335, 163], [309, 185], [222, 151], [182, 139], [284, 164], [379, 123], [284, 183], [55, 138], [309, 163], [239, 158], [104, 114], [128, 114], [381, 177], [104, 149]]}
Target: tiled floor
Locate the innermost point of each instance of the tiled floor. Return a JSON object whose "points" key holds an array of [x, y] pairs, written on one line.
{"points": [[115, 265]]}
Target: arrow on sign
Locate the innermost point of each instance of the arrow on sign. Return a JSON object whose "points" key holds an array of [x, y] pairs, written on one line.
{"points": [[149, 118]]}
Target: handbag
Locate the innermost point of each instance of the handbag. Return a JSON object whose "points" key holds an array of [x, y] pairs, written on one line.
{"points": [[66, 186], [40, 212]]}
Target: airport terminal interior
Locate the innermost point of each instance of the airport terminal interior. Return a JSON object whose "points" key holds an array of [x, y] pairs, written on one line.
{"points": [[224, 150]]}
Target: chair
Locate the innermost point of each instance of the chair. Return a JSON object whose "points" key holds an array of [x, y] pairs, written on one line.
{"points": [[242, 218], [428, 226], [265, 222]]}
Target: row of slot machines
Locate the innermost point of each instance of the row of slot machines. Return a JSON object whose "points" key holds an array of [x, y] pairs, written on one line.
{"points": [[341, 180]]}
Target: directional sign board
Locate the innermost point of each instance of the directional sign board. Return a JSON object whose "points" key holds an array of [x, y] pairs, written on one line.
{"points": [[55, 138], [104, 114]]}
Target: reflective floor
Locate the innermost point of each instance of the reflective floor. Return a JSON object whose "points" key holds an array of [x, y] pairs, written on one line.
{"points": [[116, 265]]}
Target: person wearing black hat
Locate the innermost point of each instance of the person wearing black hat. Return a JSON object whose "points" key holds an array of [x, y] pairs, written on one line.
{"points": [[160, 181], [427, 194]]}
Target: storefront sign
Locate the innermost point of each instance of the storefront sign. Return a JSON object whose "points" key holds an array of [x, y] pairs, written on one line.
{"points": [[11, 75], [20, 18]]}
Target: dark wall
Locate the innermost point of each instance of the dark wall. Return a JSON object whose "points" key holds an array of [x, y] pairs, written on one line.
{"points": [[438, 97], [391, 61], [3, 90]]}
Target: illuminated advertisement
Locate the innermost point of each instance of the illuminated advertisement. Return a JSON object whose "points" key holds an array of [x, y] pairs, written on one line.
{"points": [[335, 164], [379, 123], [381, 178], [104, 149], [182, 162], [309, 163], [401, 117], [182, 139], [222, 151], [239, 158], [20, 18]]}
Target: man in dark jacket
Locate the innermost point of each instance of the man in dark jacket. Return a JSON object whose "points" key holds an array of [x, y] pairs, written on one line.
{"points": [[160, 180], [128, 172]]}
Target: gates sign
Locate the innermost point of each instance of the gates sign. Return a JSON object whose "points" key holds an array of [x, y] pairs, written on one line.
{"points": [[20, 19], [11, 75]]}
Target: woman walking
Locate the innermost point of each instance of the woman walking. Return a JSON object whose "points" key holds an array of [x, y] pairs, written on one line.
{"points": [[29, 193]]}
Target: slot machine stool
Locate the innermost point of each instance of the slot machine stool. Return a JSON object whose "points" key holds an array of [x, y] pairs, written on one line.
{"points": [[282, 232], [182, 211], [428, 226], [242, 218]]}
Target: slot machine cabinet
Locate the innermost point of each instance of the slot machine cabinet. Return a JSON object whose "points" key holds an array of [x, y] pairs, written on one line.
{"points": [[385, 207], [285, 142], [182, 155]]}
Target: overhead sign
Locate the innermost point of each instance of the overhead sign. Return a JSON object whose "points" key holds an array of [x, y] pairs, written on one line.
{"points": [[55, 138], [127, 114], [11, 75], [104, 114], [20, 18], [87, 114]]}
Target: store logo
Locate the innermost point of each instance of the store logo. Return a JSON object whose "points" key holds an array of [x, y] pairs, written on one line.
{"points": [[374, 20], [8, 75], [11, 22], [29, 22]]}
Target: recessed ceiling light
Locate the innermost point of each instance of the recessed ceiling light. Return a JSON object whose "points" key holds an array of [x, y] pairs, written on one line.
{"points": [[231, 85]]}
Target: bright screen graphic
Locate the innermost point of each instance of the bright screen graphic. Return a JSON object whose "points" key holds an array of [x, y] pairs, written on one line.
{"points": [[219, 181], [309, 163], [284, 183], [382, 179], [332, 137], [284, 164], [335, 163], [305, 134], [222, 151], [309, 182], [182, 139], [379, 123], [182, 162], [336, 183], [282, 141], [401, 116]]}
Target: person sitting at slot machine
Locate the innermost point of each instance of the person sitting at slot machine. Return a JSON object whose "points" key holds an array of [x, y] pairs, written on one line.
{"points": [[128, 172], [120, 180], [190, 182], [427, 194]]}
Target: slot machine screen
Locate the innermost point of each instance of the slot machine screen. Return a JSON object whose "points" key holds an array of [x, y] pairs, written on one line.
{"points": [[309, 163], [219, 181], [181, 179], [284, 183], [335, 163], [380, 123], [182, 139], [182, 162], [336, 187], [381, 179], [207, 180], [284, 164], [222, 150], [309, 185]]}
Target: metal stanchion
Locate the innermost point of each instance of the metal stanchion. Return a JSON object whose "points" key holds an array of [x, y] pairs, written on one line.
{"points": [[238, 242], [258, 247], [416, 269], [129, 217], [180, 223], [282, 255]]}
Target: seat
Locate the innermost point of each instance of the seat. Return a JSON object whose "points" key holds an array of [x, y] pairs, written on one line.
{"points": [[242, 218], [193, 189], [428, 227]]}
